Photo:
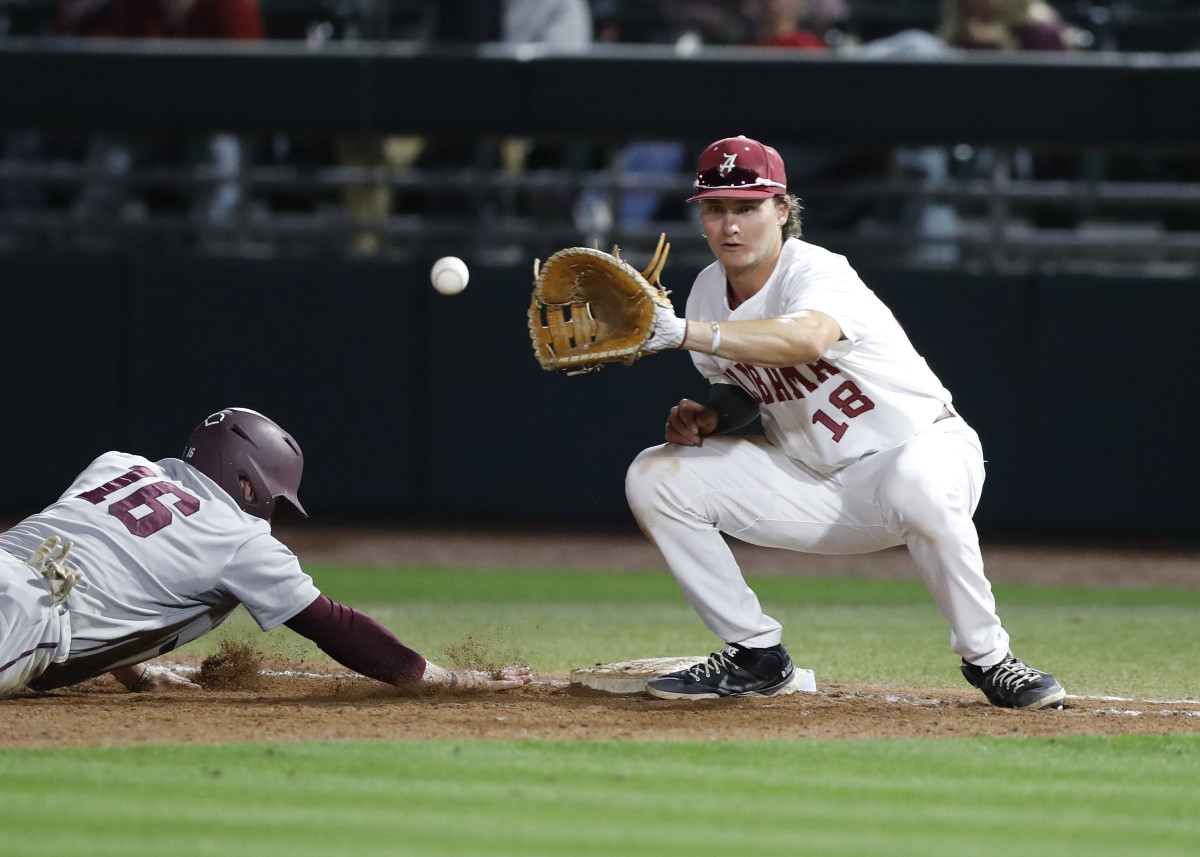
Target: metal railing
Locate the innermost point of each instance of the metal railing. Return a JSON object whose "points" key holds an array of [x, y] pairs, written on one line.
{"points": [[985, 215]]}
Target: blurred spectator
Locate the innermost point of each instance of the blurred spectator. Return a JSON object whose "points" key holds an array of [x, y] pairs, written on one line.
{"points": [[27, 150], [562, 23], [803, 25], [934, 225], [183, 19], [117, 156], [368, 204], [797, 24], [598, 211], [1028, 25], [80, 17], [692, 23], [1011, 25], [687, 24], [1005, 25], [565, 24], [710, 22], [777, 24], [827, 19], [19, 150]]}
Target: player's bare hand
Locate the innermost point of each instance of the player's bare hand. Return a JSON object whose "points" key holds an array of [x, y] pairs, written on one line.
{"points": [[690, 422], [508, 678], [143, 679], [159, 680]]}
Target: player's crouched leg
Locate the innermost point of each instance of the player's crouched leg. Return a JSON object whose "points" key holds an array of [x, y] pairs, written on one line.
{"points": [[648, 483], [731, 484], [929, 487], [672, 482]]}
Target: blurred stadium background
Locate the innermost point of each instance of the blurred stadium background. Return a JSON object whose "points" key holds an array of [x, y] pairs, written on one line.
{"points": [[190, 224]]}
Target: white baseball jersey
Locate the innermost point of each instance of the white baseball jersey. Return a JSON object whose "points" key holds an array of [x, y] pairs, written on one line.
{"points": [[166, 556], [857, 458], [870, 391]]}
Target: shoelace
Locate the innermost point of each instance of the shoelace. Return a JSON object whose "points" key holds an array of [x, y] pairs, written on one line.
{"points": [[1014, 675], [715, 663]]}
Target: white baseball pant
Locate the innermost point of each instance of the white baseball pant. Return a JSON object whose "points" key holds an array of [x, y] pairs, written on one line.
{"points": [[34, 631], [921, 493]]}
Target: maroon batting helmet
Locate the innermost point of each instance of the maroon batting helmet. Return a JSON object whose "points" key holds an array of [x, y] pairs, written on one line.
{"points": [[238, 443]]}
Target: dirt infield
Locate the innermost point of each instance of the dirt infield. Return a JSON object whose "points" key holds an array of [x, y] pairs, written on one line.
{"points": [[298, 701], [324, 703]]}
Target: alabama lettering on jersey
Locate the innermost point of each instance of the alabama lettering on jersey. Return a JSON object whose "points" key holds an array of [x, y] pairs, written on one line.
{"points": [[166, 556], [870, 391]]}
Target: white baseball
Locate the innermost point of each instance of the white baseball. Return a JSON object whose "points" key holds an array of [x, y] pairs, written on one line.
{"points": [[449, 275]]}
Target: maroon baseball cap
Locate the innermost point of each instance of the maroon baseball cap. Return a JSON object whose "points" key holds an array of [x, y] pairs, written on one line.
{"points": [[739, 168]]}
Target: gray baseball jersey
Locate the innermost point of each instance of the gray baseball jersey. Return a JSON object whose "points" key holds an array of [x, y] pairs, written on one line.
{"points": [[166, 556]]}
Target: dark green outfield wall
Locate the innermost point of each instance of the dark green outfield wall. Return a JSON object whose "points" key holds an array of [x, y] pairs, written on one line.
{"points": [[409, 404]]}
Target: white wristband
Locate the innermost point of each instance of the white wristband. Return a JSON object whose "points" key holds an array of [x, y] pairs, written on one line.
{"points": [[716, 337]]}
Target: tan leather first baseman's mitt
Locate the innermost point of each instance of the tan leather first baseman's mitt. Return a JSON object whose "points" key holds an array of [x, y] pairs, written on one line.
{"points": [[590, 308]]}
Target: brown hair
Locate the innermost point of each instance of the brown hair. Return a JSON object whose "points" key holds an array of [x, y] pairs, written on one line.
{"points": [[791, 229]]}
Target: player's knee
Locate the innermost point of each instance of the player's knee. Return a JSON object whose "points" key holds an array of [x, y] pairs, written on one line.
{"points": [[922, 506], [647, 479], [929, 489]]}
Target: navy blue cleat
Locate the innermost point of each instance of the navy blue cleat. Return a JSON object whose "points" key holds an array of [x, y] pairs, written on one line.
{"points": [[1014, 684], [734, 671]]}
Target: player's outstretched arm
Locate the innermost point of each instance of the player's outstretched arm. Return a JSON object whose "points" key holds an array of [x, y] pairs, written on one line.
{"points": [[788, 340], [358, 642]]}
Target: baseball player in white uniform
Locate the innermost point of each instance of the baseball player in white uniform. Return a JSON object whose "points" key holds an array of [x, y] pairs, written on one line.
{"points": [[862, 449], [138, 558]]}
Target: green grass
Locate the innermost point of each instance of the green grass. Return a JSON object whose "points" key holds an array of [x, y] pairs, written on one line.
{"points": [[1099, 642], [1079, 796], [1123, 797]]}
